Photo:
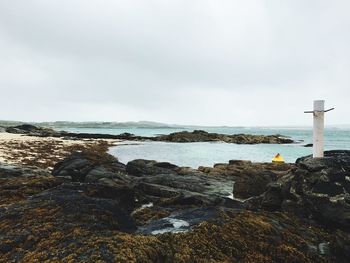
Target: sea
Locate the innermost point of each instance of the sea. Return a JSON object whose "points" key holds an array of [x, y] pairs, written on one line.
{"points": [[209, 153]]}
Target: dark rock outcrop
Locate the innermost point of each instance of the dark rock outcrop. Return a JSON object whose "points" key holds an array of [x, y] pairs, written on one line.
{"points": [[10, 171], [87, 167], [32, 130], [203, 136], [317, 188], [141, 167]]}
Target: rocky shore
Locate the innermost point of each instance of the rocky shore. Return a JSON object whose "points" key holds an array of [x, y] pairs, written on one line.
{"points": [[183, 136], [89, 207], [203, 136]]}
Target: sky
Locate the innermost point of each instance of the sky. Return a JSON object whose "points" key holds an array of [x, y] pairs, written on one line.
{"points": [[250, 63]]}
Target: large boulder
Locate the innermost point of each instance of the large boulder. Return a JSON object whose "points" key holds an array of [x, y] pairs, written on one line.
{"points": [[90, 167]]}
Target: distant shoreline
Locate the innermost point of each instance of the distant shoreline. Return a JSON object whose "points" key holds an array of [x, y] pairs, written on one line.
{"points": [[152, 125]]}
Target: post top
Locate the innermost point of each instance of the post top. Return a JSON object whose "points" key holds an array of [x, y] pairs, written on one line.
{"points": [[318, 105]]}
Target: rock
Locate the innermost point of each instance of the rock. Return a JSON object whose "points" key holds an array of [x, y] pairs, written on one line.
{"points": [[187, 170], [203, 136], [90, 199], [330, 189], [317, 188], [308, 145], [240, 162], [252, 184], [141, 167], [32, 130], [11, 170], [81, 166], [189, 183], [332, 159], [101, 172], [272, 198]]}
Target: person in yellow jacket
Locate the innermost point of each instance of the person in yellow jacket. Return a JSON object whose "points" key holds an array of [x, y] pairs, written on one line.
{"points": [[278, 159]]}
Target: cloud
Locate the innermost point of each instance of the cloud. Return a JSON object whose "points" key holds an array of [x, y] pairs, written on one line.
{"points": [[190, 62]]}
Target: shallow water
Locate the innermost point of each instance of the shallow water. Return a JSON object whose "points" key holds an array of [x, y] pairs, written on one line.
{"points": [[205, 153], [209, 153]]}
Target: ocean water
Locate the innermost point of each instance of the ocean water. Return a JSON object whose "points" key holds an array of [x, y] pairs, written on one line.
{"points": [[209, 153]]}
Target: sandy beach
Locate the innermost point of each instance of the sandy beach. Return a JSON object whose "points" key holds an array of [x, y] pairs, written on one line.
{"points": [[43, 152]]}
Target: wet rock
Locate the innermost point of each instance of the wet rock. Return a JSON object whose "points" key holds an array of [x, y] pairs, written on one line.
{"points": [[341, 245], [190, 183], [333, 159], [317, 188], [156, 190], [81, 166], [272, 198], [252, 184], [142, 167], [330, 189], [101, 172]]}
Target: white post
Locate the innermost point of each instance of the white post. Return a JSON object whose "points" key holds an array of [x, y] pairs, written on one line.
{"points": [[318, 141]]}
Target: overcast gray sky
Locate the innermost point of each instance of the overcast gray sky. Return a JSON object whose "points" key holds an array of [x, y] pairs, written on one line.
{"points": [[182, 61]]}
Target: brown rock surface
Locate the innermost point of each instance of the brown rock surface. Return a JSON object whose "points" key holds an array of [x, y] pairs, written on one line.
{"points": [[46, 218]]}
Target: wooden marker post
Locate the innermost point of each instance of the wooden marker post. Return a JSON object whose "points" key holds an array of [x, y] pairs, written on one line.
{"points": [[318, 130]]}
